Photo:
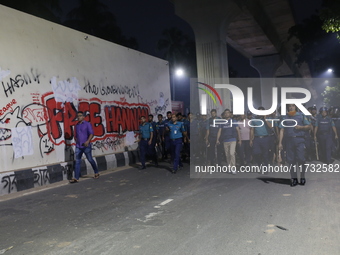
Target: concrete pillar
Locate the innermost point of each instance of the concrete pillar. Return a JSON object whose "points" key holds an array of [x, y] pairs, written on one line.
{"points": [[266, 66], [209, 20]]}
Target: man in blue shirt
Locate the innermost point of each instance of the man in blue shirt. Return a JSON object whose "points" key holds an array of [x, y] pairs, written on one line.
{"points": [[160, 127], [336, 119], [210, 137], [294, 129], [166, 136], [260, 132], [145, 139], [324, 127], [83, 133], [152, 148], [177, 132], [229, 134]]}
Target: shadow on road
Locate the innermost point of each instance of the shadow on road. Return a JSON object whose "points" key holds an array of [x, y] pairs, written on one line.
{"points": [[275, 180]]}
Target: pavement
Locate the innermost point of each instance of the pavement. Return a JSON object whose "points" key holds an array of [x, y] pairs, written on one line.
{"points": [[152, 211]]}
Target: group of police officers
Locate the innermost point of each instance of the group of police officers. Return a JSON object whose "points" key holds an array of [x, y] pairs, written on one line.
{"points": [[245, 139]]}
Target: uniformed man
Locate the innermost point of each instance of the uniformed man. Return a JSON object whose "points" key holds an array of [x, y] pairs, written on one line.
{"points": [[336, 119], [296, 126], [145, 139], [166, 136], [177, 132], [243, 148], [211, 136], [160, 127], [152, 147], [259, 138], [324, 127]]}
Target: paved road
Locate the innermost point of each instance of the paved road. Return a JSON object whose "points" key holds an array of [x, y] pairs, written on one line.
{"points": [[154, 212]]}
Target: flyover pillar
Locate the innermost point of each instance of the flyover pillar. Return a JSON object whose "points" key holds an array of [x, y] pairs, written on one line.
{"points": [[209, 20], [267, 67]]}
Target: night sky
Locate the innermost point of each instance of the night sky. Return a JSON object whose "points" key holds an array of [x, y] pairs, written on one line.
{"points": [[145, 20]]}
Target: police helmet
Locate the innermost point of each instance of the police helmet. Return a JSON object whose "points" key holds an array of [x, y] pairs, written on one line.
{"points": [[323, 109]]}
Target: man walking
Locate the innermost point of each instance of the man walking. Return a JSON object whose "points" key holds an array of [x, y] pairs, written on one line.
{"points": [[145, 139], [83, 135]]}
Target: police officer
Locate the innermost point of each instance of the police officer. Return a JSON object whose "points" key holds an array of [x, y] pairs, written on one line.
{"points": [[323, 133], [336, 119], [177, 132], [211, 136], [243, 148], [166, 136], [296, 126], [145, 139], [259, 138], [160, 127], [152, 148]]}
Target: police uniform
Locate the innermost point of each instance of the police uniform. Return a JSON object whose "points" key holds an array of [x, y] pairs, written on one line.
{"points": [[167, 142], [176, 136], [152, 148], [145, 130], [295, 144], [324, 135], [212, 138], [160, 127], [336, 120], [261, 142]]}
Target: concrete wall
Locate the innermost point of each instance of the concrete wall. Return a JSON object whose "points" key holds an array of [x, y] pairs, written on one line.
{"points": [[47, 73]]}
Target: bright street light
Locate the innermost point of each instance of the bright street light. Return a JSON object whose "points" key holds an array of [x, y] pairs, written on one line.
{"points": [[179, 72], [330, 70]]}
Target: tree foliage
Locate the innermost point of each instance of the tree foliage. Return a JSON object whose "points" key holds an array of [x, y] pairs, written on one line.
{"points": [[46, 9], [316, 48], [330, 16], [179, 50], [332, 95], [93, 17]]}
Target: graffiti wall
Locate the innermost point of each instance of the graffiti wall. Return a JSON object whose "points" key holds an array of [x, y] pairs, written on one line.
{"points": [[49, 72]]}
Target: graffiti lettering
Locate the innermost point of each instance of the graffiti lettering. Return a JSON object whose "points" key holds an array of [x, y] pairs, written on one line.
{"points": [[19, 81], [8, 107], [10, 182], [118, 118], [112, 90]]}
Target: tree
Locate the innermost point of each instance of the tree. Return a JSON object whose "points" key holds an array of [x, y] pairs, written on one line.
{"points": [[330, 16], [94, 17], [316, 48], [178, 49], [332, 95], [46, 9]]}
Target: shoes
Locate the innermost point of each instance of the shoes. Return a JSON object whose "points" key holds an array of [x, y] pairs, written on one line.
{"points": [[74, 181], [96, 176], [302, 181], [141, 167], [174, 171], [293, 182]]}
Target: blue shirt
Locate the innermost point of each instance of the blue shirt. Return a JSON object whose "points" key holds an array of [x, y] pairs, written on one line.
{"points": [[176, 130], [82, 132], [258, 129], [145, 130], [228, 131], [210, 126], [160, 126], [166, 124]]}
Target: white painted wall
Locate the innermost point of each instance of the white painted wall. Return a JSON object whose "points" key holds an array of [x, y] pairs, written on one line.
{"points": [[44, 66]]}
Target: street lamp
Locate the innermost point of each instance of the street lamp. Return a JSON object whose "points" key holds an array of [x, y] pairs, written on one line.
{"points": [[330, 70], [179, 72]]}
